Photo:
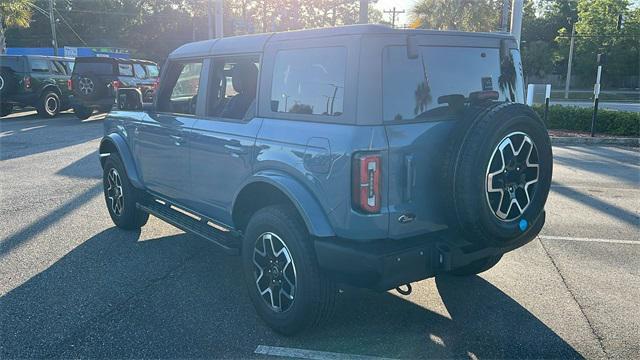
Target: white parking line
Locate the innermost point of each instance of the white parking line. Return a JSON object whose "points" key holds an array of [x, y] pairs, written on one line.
{"points": [[595, 188], [611, 241], [309, 354]]}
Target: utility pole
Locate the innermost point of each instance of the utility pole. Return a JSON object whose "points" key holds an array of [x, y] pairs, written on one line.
{"points": [[364, 12], [218, 16], [516, 19], [210, 19], [568, 80], [54, 40], [393, 13], [504, 22]]}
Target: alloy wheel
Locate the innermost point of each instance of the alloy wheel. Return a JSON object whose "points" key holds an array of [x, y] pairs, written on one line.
{"points": [[512, 176], [51, 105], [86, 86], [114, 192], [1, 82], [275, 272]]}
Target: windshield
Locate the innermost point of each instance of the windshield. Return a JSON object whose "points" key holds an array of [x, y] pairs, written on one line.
{"points": [[441, 80]]}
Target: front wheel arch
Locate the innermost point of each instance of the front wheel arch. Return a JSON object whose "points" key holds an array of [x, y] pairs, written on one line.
{"points": [[114, 143]]}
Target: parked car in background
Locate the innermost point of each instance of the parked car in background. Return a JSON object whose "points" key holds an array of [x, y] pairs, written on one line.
{"points": [[358, 154], [95, 81], [33, 80]]}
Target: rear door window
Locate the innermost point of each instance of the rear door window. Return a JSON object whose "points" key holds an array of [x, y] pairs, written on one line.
{"points": [[438, 84], [98, 68], [309, 81], [13, 63], [69, 65], [139, 71], [58, 67], [39, 65]]}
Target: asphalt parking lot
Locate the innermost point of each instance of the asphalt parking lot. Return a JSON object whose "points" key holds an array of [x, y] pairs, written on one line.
{"points": [[74, 286]]}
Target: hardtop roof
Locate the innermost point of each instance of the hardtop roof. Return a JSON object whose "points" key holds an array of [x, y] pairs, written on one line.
{"points": [[255, 43]]}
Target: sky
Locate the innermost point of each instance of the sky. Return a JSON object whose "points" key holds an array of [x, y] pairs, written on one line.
{"points": [[399, 4]]}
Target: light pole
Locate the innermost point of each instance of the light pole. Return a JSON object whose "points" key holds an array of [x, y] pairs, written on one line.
{"points": [[54, 40], [364, 12], [516, 19], [568, 80]]}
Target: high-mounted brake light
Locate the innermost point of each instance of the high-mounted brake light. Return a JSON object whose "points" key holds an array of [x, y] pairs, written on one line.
{"points": [[70, 84], [27, 82], [366, 182]]}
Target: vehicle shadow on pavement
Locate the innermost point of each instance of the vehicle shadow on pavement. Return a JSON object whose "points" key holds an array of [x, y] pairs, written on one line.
{"points": [[119, 296], [29, 134]]}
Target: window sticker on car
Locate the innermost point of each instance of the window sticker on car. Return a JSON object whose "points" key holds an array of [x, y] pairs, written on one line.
{"points": [[487, 83]]}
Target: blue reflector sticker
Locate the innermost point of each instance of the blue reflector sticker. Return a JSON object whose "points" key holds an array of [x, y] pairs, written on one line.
{"points": [[523, 224]]}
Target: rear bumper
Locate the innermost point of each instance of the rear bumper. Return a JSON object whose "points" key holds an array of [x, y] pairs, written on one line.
{"points": [[386, 264]]}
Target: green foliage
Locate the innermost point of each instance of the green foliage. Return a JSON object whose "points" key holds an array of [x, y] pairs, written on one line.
{"points": [[609, 122], [477, 15]]}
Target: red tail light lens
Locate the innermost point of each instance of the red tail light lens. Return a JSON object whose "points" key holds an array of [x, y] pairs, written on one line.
{"points": [[27, 82], [70, 84], [366, 182], [156, 85], [116, 84]]}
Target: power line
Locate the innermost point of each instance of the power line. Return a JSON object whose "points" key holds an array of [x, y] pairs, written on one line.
{"points": [[393, 13], [71, 28]]}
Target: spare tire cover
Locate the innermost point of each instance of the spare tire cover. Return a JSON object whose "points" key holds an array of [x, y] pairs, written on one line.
{"points": [[498, 173]]}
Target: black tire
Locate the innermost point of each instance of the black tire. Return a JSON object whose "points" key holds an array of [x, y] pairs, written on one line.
{"points": [[105, 108], [313, 295], [7, 81], [470, 160], [5, 109], [123, 210], [82, 112], [49, 105], [477, 267]]}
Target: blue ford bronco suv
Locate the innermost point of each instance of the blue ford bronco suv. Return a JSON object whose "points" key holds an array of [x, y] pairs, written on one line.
{"points": [[361, 154]]}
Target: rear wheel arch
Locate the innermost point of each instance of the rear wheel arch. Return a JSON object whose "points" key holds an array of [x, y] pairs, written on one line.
{"points": [[272, 189]]}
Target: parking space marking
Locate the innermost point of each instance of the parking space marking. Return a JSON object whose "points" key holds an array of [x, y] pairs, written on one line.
{"points": [[596, 188], [309, 354], [611, 241]]}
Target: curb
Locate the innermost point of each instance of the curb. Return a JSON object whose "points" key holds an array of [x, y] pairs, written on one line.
{"points": [[562, 140]]}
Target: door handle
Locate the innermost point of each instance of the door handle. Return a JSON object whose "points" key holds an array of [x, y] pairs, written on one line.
{"points": [[236, 149], [177, 139]]}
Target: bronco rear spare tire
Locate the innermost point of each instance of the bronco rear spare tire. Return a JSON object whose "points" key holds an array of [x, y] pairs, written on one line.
{"points": [[499, 173]]}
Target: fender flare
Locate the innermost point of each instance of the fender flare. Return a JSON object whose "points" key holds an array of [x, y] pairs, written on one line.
{"points": [[305, 202], [53, 87], [116, 140]]}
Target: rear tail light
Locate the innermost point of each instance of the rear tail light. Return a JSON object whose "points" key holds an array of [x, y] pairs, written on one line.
{"points": [[116, 84], [27, 82], [366, 182], [156, 85], [70, 84]]}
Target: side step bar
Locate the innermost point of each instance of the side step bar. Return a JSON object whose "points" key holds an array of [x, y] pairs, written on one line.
{"points": [[226, 241]]}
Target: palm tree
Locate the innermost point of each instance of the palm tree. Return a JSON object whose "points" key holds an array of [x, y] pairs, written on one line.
{"points": [[13, 13]]}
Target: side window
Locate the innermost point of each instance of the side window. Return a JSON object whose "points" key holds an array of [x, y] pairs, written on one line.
{"points": [[38, 65], [139, 71], [234, 83], [58, 67], [181, 95], [125, 69], [70, 65], [309, 81]]}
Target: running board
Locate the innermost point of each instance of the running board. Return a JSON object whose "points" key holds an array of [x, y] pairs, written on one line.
{"points": [[192, 224]]}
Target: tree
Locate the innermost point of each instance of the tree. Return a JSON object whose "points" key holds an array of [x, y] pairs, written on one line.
{"points": [[467, 15], [13, 13]]}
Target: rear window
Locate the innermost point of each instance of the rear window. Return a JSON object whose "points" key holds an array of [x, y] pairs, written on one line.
{"points": [[139, 71], [98, 68], [152, 70], [309, 81], [11, 63], [439, 82]]}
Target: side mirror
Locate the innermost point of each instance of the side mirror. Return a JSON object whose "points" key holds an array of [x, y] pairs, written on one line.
{"points": [[129, 99]]}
